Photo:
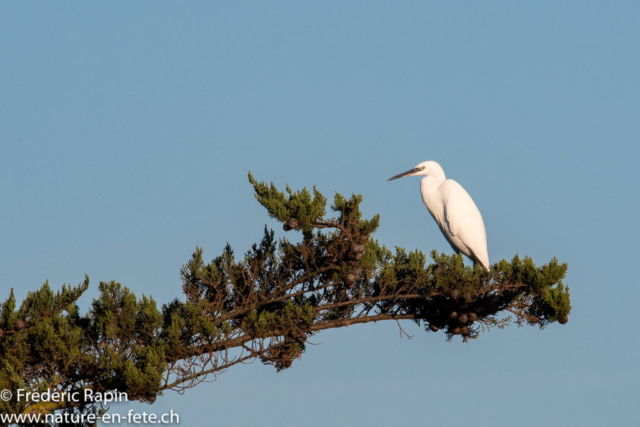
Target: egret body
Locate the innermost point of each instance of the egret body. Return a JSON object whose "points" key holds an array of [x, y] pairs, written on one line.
{"points": [[454, 211]]}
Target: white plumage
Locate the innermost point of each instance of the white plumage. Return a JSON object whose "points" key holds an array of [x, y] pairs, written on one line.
{"points": [[453, 210]]}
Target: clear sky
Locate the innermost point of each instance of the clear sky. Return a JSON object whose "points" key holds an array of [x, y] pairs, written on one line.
{"points": [[127, 130]]}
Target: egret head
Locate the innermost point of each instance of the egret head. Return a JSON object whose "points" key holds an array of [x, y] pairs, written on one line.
{"points": [[428, 168]]}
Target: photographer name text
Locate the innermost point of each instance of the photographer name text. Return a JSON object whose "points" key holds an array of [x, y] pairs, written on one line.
{"points": [[57, 396]]}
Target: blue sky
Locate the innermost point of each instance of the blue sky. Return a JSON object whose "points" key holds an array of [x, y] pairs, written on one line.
{"points": [[128, 128]]}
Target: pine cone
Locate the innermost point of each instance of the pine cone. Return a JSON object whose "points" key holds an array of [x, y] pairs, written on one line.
{"points": [[357, 248]]}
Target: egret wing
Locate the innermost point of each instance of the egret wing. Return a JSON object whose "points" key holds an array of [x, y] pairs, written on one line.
{"points": [[464, 221]]}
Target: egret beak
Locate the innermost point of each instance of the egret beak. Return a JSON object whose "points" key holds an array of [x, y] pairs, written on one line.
{"points": [[409, 172]]}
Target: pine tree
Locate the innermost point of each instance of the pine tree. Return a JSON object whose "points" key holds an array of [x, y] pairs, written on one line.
{"points": [[263, 305]]}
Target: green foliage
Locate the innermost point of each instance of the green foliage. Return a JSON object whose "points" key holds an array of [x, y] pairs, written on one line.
{"points": [[290, 317], [300, 205], [263, 305], [350, 214]]}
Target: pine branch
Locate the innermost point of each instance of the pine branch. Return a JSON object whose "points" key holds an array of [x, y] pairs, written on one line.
{"points": [[264, 306]]}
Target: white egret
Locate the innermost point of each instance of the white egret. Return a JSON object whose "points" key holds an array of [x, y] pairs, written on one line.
{"points": [[453, 209]]}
